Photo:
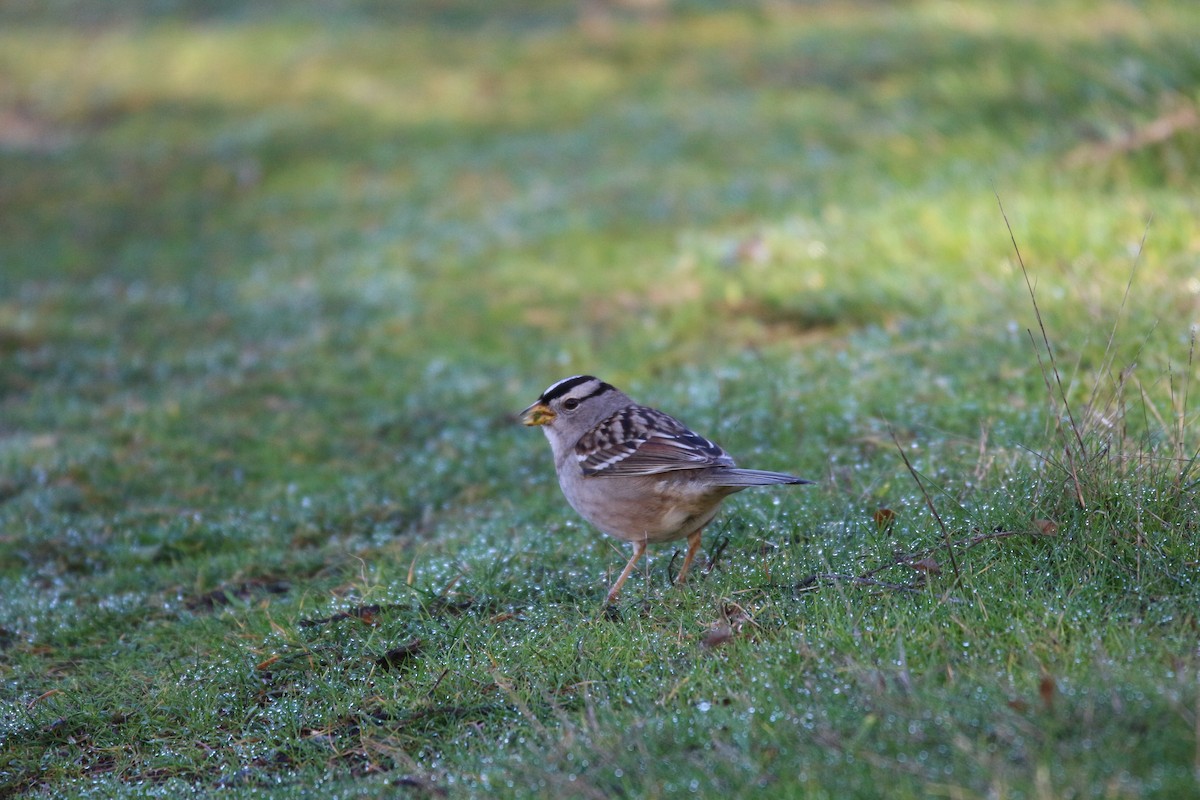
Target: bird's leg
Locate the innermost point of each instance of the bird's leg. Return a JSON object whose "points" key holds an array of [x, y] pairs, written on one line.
{"points": [[638, 549], [693, 546]]}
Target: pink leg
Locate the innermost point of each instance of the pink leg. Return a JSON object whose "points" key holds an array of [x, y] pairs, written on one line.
{"points": [[693, 546], [638, 549]]}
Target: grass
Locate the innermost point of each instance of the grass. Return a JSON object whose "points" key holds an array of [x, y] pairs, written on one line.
{"points": [[275, 278]]}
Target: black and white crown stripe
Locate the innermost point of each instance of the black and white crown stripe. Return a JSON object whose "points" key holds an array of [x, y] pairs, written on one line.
{"points": [[566, 385]]}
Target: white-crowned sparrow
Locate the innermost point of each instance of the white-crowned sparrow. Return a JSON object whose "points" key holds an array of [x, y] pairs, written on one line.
{"points": [[635, 472]]}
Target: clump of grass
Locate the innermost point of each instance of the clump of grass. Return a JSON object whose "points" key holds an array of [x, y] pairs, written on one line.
{"points": [[1131, 483]]}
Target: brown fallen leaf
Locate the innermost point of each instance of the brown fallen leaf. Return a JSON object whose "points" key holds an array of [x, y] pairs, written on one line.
{"points": [[364, 614], [400, 654], [1047, 689], [885, 518], [928, 565], [733, 619], [718, 634], [1046, 527]]}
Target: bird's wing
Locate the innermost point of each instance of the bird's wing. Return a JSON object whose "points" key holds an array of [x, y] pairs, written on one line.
{"points": [[643, 441]]}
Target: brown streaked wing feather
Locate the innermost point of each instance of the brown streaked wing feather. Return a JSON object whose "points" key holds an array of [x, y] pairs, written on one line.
{"points": [[643, 441]]}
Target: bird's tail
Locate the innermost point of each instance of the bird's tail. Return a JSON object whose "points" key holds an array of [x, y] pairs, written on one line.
{"points": [[742, 478]]}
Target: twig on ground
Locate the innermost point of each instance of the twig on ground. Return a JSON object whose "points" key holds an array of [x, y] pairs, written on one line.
{"points": [[868, 578], [861, 580], [1154, 132], [932, 508]]}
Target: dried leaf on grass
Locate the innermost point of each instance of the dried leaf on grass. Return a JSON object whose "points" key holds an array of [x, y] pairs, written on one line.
{"points": [[732, 620], [244, 592], [1045, 527], [718, 634], [1047, 690], [927, 565], [364, 614], [398, 656]]}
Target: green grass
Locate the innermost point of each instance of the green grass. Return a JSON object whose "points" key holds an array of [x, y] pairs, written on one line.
{"points": [[275, 277]]}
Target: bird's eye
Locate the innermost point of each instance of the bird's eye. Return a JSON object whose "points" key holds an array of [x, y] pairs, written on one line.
{"points": [[570, 404]]}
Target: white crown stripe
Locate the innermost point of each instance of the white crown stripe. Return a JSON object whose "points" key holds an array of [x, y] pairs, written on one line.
{"points": [[581, 387], [550, 391]]}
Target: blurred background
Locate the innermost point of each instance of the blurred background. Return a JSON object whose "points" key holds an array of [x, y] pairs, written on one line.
{"points": [[260, 245]]}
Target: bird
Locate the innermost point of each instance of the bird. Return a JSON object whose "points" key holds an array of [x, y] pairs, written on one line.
{"points": [[636, 473]]}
